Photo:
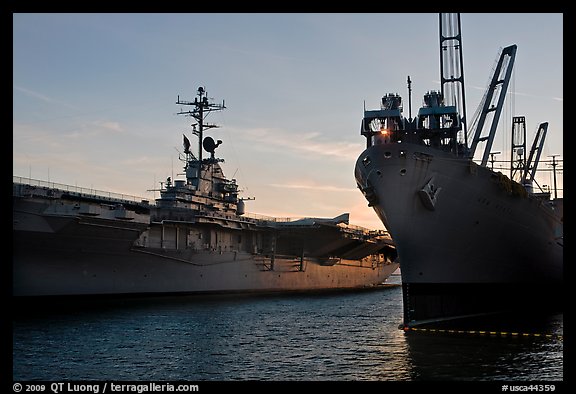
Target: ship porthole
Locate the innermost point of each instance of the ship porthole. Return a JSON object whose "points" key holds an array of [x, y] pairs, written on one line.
{"points": [[403, 171], [387, 155]]}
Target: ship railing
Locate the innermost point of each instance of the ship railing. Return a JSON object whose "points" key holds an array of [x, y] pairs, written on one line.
{"points": [[224, 216], [350, 228], [264, 218], [88, 192], [360, 229]]}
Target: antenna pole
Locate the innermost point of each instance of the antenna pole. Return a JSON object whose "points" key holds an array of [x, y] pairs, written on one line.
{"points": [[202, 107], [409, 99], [554, 164]]}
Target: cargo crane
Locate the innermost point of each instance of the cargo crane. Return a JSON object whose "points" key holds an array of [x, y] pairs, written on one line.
{"points": [[523, 170], [493, 102]]}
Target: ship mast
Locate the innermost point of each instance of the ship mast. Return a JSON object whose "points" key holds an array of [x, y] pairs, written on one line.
{"points": [[452, 67], [202, 108]]}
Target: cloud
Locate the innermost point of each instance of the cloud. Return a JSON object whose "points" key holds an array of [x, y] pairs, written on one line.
{"points": [[522, 94], [109, 126], [86, 130], [313, 187], [43, 97], [311, 142]]}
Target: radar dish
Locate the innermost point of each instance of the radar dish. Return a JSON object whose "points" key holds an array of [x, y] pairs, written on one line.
{"points": [[209, 144]]}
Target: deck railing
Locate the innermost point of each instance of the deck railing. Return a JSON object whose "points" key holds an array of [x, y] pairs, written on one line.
{"points": [[77, 190]]}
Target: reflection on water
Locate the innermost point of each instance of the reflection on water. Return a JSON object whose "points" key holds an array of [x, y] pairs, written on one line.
{"points": [[506, 353]]}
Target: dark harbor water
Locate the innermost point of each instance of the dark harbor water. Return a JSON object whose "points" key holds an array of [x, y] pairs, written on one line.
{"points": [[337, 336]]}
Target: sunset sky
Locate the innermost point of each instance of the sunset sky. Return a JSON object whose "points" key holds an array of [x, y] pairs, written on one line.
{"points": [[94, 95]]}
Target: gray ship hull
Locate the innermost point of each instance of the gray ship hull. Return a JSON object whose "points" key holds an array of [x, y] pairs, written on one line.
{"points": [[41, 272], [469, 241], [64, 248]]}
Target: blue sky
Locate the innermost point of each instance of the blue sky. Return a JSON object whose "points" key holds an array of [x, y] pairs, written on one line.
{"points": [[94, 95]]}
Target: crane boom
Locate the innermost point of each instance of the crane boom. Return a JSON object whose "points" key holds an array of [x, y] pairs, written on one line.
{"points": [[534, 158], [496, 90]]}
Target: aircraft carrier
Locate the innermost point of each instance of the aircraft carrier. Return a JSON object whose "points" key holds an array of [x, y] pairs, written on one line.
{"points": [[195, 238]]}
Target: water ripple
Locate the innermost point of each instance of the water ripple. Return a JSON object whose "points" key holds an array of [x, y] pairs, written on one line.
{"points": [[315, 337]]}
